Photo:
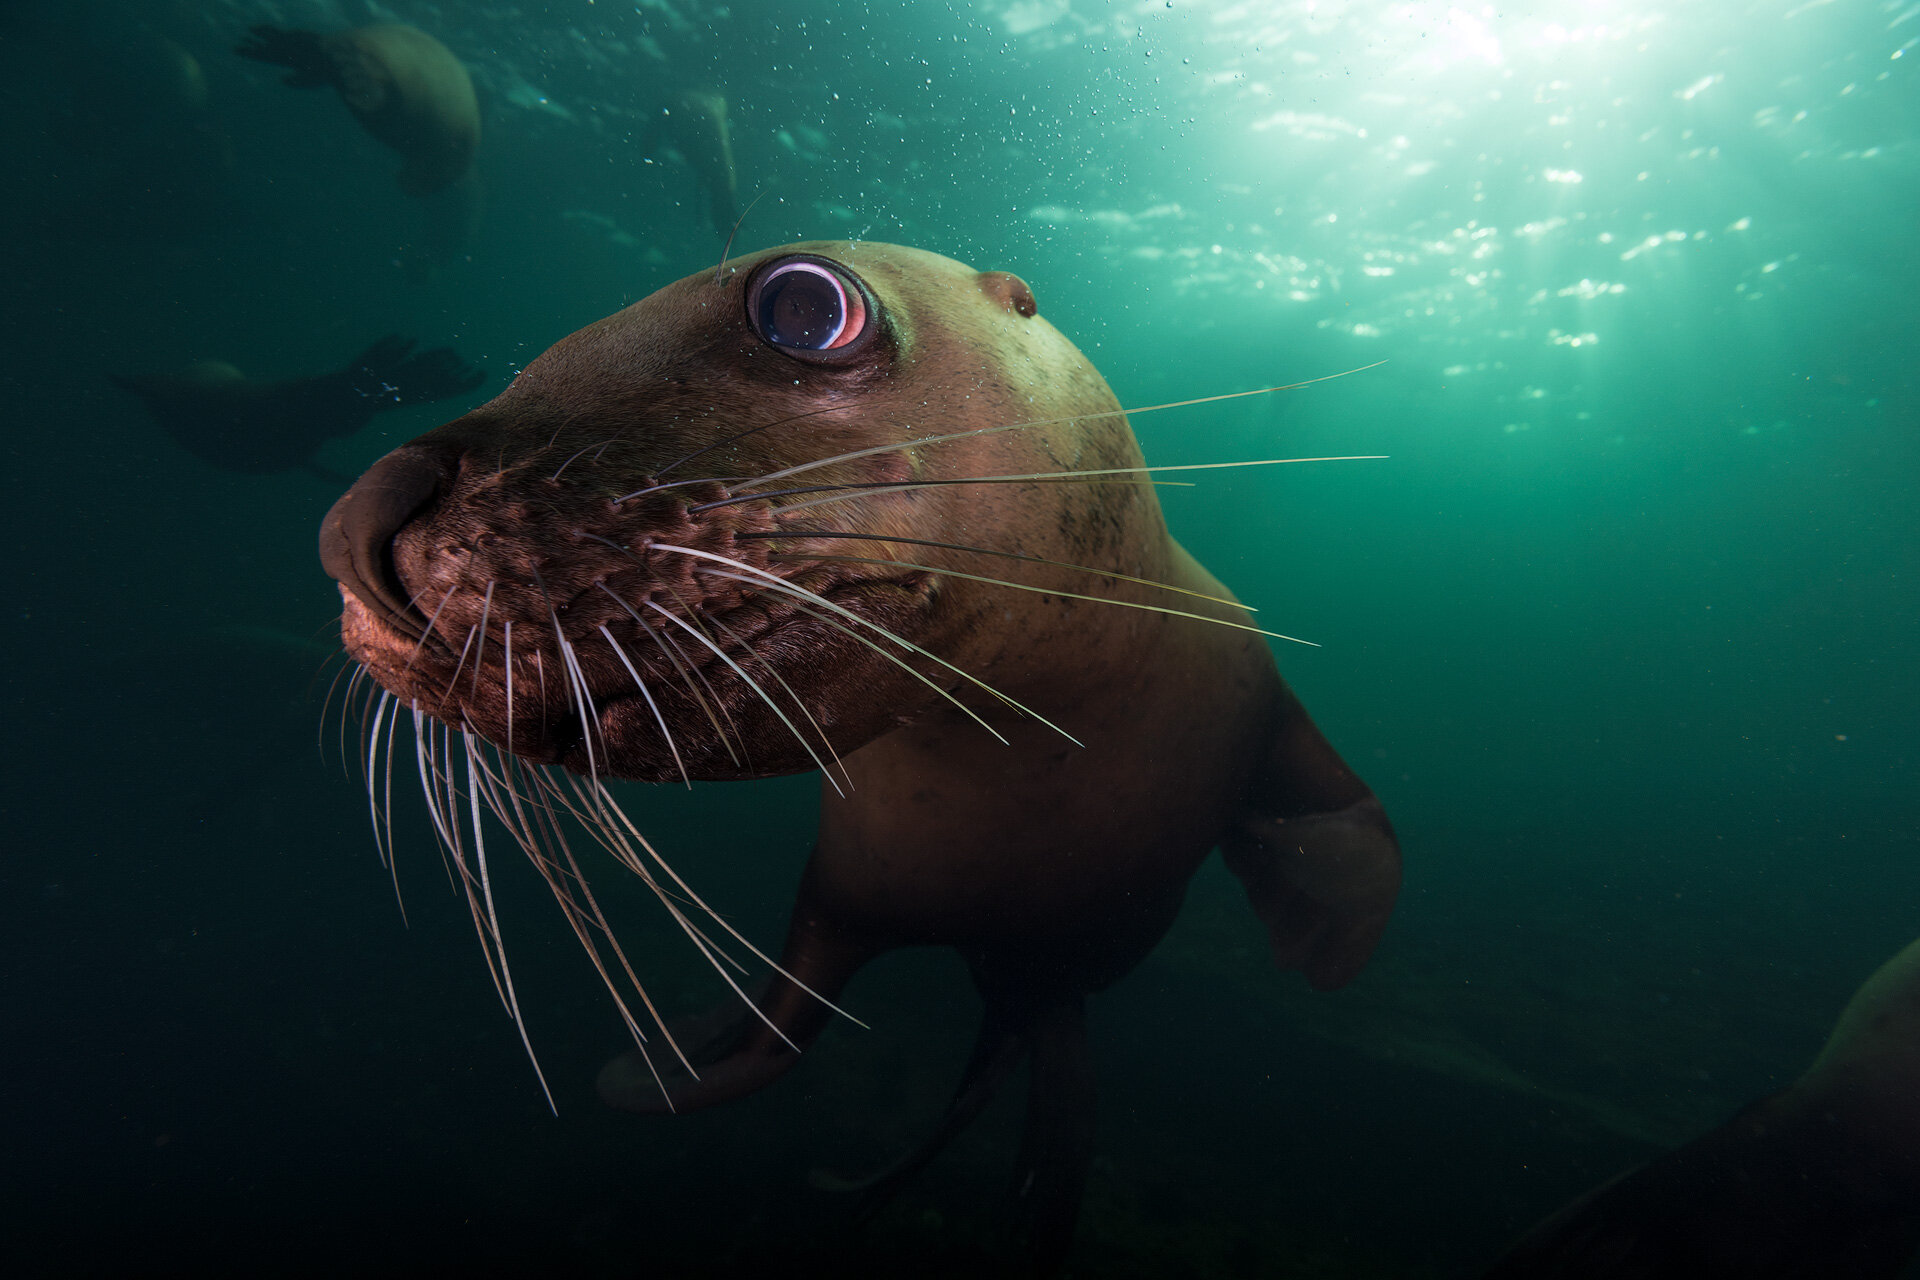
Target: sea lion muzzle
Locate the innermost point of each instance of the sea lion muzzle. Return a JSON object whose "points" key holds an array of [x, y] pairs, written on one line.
{"points": [[356, 538]]}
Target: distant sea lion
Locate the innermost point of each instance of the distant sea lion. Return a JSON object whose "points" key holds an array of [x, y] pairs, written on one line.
{"points": [[222, 417], [769, 519], [403, 86], [696, 126], [1821, 1179]]}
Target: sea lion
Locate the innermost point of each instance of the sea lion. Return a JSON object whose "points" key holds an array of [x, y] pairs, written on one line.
{"points": [[695, 124], [403, 86], [223, 417], [769, 519], [1821, 1179]]}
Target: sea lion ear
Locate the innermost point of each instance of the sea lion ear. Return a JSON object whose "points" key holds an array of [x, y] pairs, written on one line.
{"points": [[1010, 291]]}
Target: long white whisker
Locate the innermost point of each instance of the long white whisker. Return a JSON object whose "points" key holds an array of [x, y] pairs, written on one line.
{"points": [[480, 658], [613, 807], [977, 432], [420, 645], [753, 685], [763, 578], [904, 665], [493, 924], [686, 678], [671, 648], [1083, 477], [798, 701], [506, 661], [801, 535], [641, 685], [1049, 591], [520, 826]]}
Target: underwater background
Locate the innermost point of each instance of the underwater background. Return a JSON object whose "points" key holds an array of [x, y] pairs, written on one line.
{"points": [[1622, 630]]}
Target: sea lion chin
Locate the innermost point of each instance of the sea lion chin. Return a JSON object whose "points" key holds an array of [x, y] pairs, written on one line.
{"points": [[856, 507]]}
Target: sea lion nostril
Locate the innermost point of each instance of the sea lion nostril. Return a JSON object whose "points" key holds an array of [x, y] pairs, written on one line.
{"points": [[356, 538]]}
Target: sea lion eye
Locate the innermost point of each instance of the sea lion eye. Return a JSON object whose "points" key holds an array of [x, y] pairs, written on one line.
{"points": [[809, 308]]}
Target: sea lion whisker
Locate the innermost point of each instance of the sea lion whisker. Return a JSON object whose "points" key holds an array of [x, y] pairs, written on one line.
{"points": [[721, 443], [751, 684], [798, 701], [506, 663], [1027, 478], [695, 679], [386, 806], [978, 432], [381, 816], [720, 269], [583, 448], [680, 484], [480, 658], [904, 665], [696, 615], [802, 594], [493, 922], [675, 657], [613, 806], [592, 815], [548, 790], [741, 758], [559, 637], [523, 829], [1045, 591], [465, 649], [641, 685], [780, 584], [446, 832], [583, 699], [672, 653], [420, 644], [867, 488], [360, 676], [989, 551], [326, 707], [369, 768], [786, 509], [428, 762]]}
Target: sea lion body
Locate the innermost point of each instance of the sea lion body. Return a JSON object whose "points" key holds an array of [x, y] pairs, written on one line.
{"points": [[404, 87], [673, 464], [1820, 1179], [260, 426], [695, 124]]}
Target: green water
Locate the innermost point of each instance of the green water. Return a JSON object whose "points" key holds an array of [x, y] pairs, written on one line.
{"points": [[1621, 629]]}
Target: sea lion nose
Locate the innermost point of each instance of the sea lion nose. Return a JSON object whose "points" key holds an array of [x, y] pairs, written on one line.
{"points": [[356, 538]]}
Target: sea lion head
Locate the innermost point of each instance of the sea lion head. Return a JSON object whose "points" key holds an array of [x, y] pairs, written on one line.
{"points": [[692, 539]]}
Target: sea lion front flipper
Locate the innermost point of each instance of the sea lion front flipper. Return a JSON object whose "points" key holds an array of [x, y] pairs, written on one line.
{"points": [[735, 1050], [998, 1048], [302, 51], [390, 373], [1316, 854], [1056, 1145]]}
